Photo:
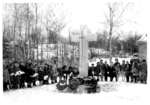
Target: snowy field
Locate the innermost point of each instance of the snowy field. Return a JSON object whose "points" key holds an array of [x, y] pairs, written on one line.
{"points": [[111, 93]]}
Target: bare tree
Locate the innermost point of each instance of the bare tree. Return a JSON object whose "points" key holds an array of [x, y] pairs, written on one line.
{"points": [[21, 26], [36, 31], [54, 20], [14, 26], [114, 20], [130, 43], [18, 27]]}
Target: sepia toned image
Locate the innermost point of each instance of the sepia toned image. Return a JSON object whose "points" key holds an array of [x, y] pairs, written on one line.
{"points": [[74, 47]]}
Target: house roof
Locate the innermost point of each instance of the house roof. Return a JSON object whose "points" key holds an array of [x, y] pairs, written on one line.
{"points": [[143, 38]]}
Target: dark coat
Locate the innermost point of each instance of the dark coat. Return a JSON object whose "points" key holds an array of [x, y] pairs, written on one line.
{"points": [[112, 71], [106, 69], [102, 69], [117, 67], [143, 71], [135, 69], [91, 71], [97, 70], [127, 69]]}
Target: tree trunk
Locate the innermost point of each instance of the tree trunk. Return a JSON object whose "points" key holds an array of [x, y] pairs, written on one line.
{"points": [[36, 9], [110, 44]]}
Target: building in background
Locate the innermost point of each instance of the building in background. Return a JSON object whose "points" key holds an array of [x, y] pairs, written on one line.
{"points": [[65, 53], [142, 43]]}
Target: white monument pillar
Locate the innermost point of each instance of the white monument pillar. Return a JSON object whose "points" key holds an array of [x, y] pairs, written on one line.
{"points": [[83, 66]]}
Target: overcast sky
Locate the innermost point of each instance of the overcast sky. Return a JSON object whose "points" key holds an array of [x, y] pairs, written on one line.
{"points": [[91, 13]]}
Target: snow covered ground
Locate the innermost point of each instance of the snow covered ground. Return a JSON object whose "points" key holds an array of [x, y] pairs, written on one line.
{"points": [[119, 93]]}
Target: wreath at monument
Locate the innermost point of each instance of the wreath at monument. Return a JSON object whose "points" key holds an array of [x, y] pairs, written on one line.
{"points": [[89, 83]]}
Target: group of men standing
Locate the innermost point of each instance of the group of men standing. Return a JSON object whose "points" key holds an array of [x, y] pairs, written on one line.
{"points": [[26, 74], [133, 71]]}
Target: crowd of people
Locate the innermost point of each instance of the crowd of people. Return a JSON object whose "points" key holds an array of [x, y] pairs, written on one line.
{"points": [[28, 74], [133, 71]]}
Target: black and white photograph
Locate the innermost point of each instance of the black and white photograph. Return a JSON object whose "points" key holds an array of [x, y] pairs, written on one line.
{"points": [[68, 51]]}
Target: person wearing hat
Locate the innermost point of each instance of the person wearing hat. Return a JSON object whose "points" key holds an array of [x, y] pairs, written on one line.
{"points": [[128, 73], [112, 72], [106, 71], [97, 70], [29, 73], [117, 69], [91, 70], [23, 76], [40, 74]]}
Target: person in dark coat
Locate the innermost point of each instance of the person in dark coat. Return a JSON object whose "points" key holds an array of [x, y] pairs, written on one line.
{"points": [[97, 70], [106, 70], [91, 70], [127, 71], [29, 72], [41, 74], [66, 71], [35, 74], [23, 76], [73, 73], [17, 75], [112, 72], [117, 68]]}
